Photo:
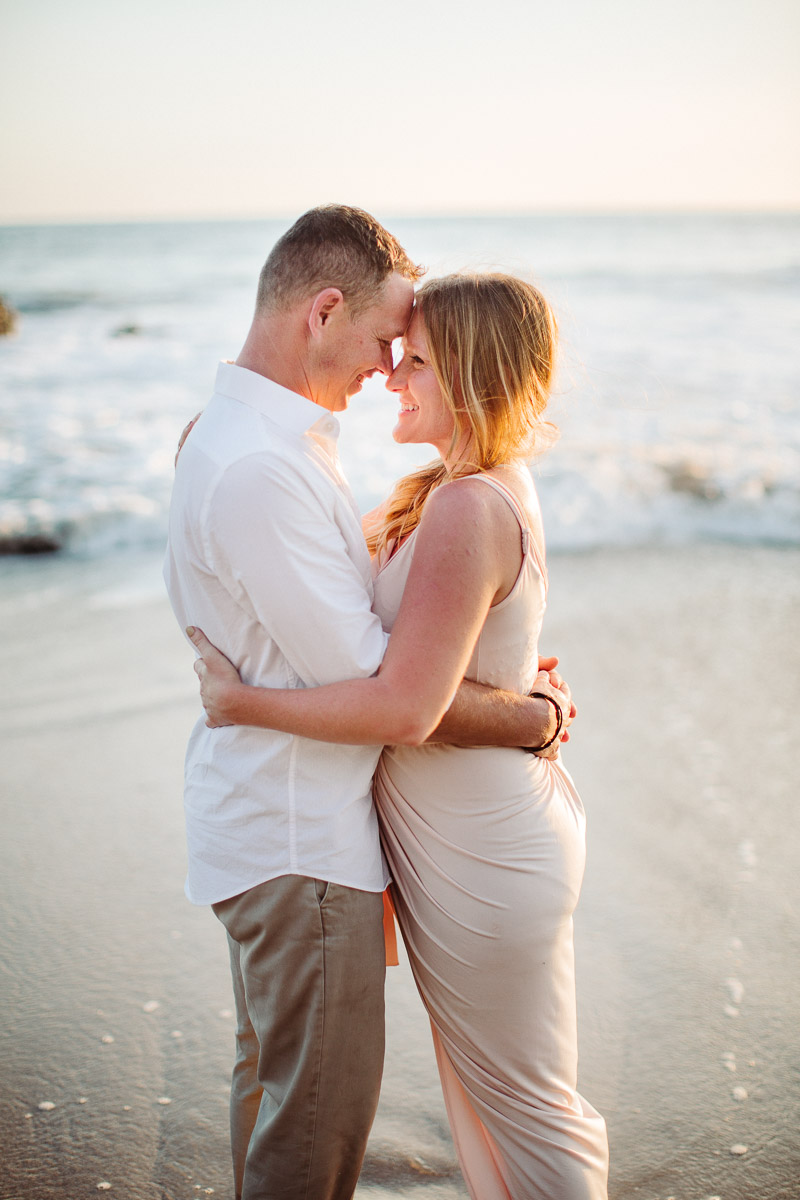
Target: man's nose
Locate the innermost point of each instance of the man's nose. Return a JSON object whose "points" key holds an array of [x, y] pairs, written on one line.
{"points": [[387, 362]]}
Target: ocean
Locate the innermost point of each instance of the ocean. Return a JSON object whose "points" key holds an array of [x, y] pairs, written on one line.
{"points": [[677, 399]]}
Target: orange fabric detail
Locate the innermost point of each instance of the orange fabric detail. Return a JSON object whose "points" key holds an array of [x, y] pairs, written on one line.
{"points": [[389, 931]]}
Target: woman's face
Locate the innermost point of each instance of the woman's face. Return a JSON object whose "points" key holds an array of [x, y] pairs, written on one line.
{"points": [[424, 415]]}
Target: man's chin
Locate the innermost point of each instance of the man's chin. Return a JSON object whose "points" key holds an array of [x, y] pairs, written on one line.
{"points": [[343, 400]]}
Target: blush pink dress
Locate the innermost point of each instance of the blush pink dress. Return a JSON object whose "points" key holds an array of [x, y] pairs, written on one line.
{"points": [[486, 847]]}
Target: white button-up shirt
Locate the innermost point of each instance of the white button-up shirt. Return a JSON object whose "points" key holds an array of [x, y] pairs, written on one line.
{"points": [[267, 557]]}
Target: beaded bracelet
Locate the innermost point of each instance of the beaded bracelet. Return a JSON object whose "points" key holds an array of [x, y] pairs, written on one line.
{"points": [[559, 725]]}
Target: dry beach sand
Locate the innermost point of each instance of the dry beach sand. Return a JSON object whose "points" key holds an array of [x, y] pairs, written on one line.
{"points": [[117, 1030]]}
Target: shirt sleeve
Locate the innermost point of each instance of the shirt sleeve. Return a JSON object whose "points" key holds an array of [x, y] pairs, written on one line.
{"points": [[278, 546]]}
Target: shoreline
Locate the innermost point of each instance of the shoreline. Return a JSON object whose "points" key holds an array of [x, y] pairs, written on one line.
{"points": [[684, 663]]}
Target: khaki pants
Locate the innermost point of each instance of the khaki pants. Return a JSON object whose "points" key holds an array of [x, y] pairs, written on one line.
{"points": [[307, 959]]}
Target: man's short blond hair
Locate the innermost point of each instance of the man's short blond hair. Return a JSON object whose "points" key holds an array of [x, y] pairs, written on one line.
{"points": [[332, 246]]}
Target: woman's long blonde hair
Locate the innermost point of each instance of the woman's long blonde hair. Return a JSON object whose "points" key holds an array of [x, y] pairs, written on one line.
{"points": [[492, 343]]}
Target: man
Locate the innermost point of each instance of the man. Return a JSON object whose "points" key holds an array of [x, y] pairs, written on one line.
{"points": [[266, 555]]}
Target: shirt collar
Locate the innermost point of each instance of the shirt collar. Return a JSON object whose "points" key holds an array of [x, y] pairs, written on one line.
{"points": [[288, 409]]}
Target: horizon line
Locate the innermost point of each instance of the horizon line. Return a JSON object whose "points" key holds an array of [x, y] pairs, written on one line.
{"points": [[20, 221]]}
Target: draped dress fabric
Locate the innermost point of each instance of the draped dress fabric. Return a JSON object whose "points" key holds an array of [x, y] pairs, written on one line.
{"points": [[486, 849]]}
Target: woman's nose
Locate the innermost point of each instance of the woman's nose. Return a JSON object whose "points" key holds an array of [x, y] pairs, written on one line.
{"points": [[397, 378]]}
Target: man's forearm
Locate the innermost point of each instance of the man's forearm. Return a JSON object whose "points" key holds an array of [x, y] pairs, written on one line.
{"points": [[486, 716]]}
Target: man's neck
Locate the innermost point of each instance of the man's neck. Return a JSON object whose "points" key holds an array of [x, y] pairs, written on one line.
{"points": [[271, 350]]}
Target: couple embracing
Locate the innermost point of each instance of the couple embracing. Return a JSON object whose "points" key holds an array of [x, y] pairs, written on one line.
{"points": [[335, 761]]}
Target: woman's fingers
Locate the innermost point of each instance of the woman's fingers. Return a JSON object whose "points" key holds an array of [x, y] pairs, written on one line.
{"points": [[215, 661], [216, 674], [185, 434]]}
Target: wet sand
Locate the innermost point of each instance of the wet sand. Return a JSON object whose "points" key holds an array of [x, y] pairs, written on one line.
{"points": [[117, 1029]]}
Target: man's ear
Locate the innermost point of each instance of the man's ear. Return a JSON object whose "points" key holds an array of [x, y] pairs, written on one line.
{"points": [[326, 304]]}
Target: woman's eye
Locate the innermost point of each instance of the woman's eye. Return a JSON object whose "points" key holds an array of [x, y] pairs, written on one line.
{"points": [[416, 360]]}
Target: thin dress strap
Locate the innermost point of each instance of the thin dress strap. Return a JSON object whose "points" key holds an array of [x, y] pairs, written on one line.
{"points": [[528, 540]]}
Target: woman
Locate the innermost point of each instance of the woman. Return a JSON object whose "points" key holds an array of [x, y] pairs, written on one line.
{"points": [[486, 845]]}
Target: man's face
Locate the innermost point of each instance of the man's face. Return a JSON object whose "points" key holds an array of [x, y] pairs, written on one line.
{"points": [[355, 350]]}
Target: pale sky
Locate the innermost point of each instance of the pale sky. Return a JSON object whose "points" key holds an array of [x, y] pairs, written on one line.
{"points": [[226, 108]]}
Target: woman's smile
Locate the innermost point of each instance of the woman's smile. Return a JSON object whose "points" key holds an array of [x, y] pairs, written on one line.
{"points": [[424, 415]]}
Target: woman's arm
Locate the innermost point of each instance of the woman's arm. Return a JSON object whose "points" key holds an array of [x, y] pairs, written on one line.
{"points": [[449, 591], [478, 716]]}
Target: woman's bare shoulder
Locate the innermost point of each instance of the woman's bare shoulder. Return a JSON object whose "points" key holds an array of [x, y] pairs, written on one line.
{"points": [[468, 495], [467, 503]]}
